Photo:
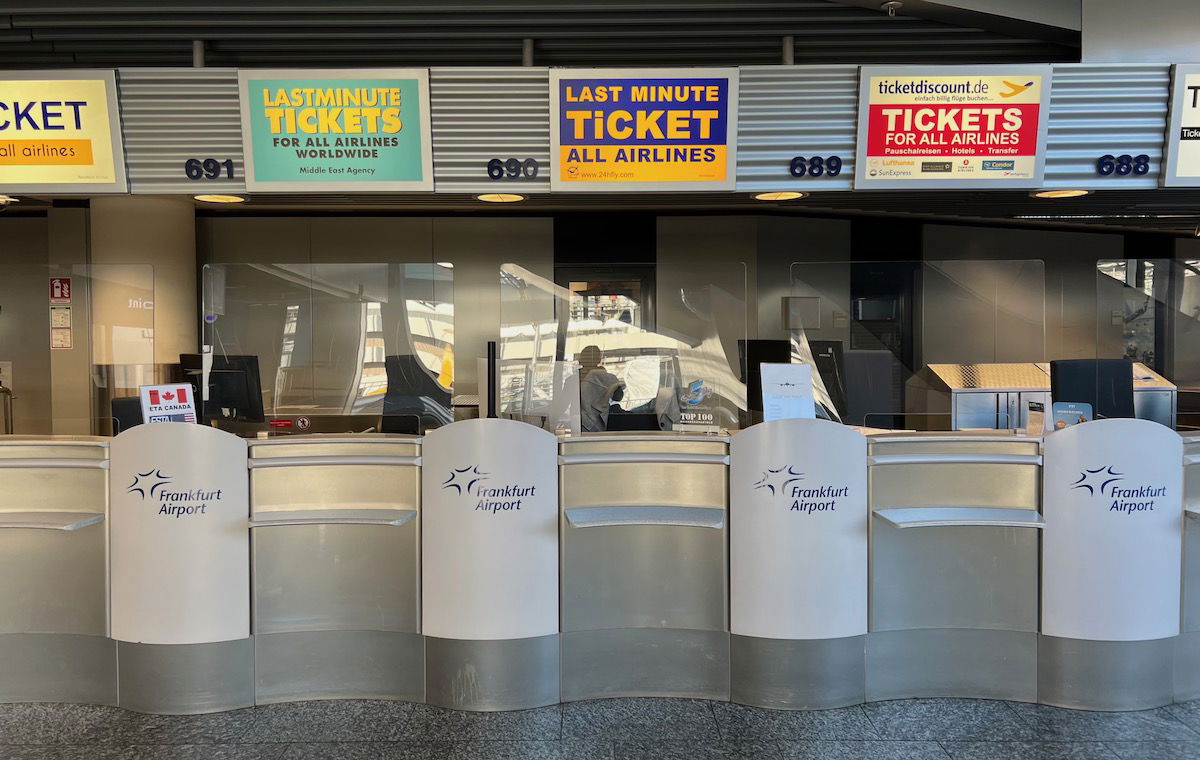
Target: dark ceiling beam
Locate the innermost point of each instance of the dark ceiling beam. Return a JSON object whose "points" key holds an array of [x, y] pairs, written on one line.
{"points": [[1057, 21]]}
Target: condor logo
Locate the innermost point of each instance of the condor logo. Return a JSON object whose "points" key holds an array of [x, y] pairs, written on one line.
{"points": [[1014, 88]]}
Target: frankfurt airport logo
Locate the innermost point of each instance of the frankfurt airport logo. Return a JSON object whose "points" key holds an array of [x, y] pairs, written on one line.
{"points": [[152, 485], [779, 478], [1095, 481], [462, 479], [466, 480], [1015, 89], [1105, 482], [781, 482], [147, 484]]}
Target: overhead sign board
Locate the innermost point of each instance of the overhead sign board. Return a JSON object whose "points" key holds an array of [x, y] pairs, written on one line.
{"points": [[643, 129], [357, 130], [952, 127], [60, 132], [1183, 134]]}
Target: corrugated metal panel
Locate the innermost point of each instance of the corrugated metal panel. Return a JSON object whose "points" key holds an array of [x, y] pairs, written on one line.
{"points": [[1097, 109], [171, 115], [483, 113], [788, 111]]}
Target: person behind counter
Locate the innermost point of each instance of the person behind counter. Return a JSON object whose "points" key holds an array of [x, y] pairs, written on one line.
{"points": [[599, 389]]}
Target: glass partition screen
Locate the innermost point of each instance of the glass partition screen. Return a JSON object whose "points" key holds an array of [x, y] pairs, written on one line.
{"points": [[352, 340]]}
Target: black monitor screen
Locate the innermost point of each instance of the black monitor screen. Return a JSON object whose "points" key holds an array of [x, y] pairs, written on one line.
{"points": [[234, 386]]}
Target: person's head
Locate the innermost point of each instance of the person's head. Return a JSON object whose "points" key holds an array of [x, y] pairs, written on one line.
{"points": [[590, 357]]}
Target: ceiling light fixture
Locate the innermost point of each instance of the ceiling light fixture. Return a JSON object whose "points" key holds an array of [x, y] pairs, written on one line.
{"points": [[500, 197], [446, 264], [1060, 193], [780, 195], [7, 199], [220, 198]]}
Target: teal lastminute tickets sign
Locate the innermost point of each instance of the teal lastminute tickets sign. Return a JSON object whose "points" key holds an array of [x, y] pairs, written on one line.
{"points": [[359, 130]]}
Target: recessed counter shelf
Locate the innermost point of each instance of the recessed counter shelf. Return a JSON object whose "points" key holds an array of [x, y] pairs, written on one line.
{"points": [[644, 554], [1187, 647], [954, 565], [54, 644], [924, 517], [335, 539]]}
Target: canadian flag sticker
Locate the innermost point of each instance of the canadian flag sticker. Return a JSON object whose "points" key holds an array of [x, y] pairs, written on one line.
{"points": [[167, 403]]}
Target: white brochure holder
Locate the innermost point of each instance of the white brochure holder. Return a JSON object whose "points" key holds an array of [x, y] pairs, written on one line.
{"points": [[1111, 558], [798, 563], [490, 564]]}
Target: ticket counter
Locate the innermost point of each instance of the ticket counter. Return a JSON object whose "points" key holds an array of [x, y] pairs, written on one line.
{"points": [[1187, 649], [798, 565], [1111, 565], [954, 566], [335, 538], [644, 566], [490, 566], [180, 566], [54, 644]]}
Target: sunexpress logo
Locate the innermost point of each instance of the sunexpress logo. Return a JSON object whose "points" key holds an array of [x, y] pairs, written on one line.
{"points": [[153, 485], [468, 480], [786, 483], [1104, 482]]}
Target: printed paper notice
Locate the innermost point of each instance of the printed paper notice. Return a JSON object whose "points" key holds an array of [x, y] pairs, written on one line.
{"points": [[787, 392]]}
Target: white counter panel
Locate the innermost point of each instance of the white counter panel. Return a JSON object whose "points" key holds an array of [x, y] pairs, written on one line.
{"points": [[490, 544], [1112, 544], [798, 531], [179, 535]]}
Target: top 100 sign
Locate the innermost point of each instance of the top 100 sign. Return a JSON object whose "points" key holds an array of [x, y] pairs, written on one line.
{"points": [[950, 128]]}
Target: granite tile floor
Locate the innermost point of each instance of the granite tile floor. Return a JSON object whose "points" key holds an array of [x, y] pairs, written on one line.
{"points": [[610, 729]]}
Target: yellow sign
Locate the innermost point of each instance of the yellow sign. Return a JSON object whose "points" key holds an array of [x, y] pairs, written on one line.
{"points": [[643, 129], [57, 132]]}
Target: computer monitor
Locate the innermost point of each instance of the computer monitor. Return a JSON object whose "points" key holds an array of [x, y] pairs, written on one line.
{"points": [[632, 421], [1106, 384], [234, 386], [126, 413], [754, 353]]}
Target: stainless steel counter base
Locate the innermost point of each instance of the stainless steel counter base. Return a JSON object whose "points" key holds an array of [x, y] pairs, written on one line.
{"points": [[645, 662], [486, 676], [183, 679], [1106, 675], [789, 674], [1187, 666], [58, 667], [974, 663], [305, 665]]}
